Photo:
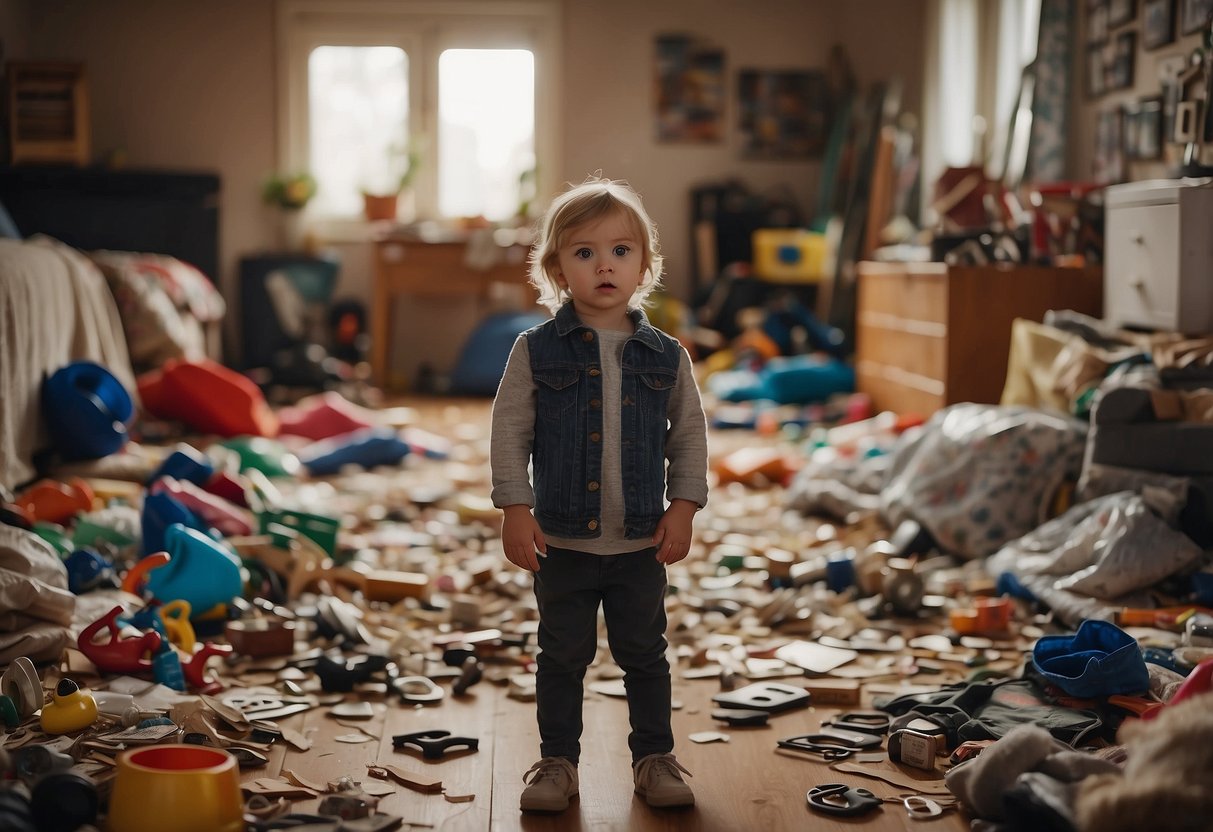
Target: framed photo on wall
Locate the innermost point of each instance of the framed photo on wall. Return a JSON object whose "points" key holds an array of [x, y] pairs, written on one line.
{"points": [[1158, 23], [1196, 15], [1149, 128], [1121, 12], [1097, 21], [784, 115], [690, 91], [1120, 67]]}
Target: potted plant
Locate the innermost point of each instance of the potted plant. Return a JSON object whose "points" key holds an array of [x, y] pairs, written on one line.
{"points": [[381, 201], [290, 193]]}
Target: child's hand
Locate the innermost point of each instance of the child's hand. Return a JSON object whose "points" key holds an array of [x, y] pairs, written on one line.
{"points": [[521, 537], [673, 536]]}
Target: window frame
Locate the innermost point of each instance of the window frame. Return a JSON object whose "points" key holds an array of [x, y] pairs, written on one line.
{"points": [[995, 53], [423, 29]]}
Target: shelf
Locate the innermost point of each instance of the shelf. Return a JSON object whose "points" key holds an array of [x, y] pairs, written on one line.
{"points": [[48, 113]]}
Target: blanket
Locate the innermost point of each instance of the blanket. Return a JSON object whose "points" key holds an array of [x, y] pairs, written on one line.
{"points": [[55, 308]]}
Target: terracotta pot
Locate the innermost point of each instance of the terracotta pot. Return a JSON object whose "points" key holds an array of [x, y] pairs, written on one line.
{"points": [[377, 207]]}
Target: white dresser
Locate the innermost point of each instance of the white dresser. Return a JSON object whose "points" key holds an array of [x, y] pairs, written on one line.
{"points": [[1158, 255]]}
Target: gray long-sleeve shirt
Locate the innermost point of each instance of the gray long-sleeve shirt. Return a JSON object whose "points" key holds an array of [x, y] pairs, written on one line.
{"points": [[686, 446]]}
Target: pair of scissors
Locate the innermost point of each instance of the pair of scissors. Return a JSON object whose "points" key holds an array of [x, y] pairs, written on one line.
{"points": [[841, 799], [829, 746]]}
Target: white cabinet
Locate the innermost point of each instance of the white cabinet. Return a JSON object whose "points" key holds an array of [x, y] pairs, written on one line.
{"points": [[1158, 256]]}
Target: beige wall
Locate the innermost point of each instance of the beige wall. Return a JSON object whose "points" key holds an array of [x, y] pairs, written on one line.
{"points": [[180, 85], [14, 26], [610, 125], [191, 85]]}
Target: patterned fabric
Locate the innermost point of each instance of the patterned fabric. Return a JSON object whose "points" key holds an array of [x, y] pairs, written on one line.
{"points": [[977, 476]]}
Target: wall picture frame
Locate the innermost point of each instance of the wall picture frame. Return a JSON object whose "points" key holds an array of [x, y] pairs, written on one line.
{"points": [[1195, 15], [1150, 138], [689, 82], [1120, 65], [783, 114], [1097, 21], [1121, 12], [1158, 23]]}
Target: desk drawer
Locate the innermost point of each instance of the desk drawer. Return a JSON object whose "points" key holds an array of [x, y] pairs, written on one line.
{"points": [[1142, 285], [919, 297]]}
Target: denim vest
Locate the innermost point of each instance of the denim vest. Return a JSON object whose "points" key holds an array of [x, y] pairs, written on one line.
{"points": [[567, 453]]}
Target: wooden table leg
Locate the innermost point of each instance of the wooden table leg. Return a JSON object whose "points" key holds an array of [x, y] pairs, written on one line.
{"points": [[381, 332]]}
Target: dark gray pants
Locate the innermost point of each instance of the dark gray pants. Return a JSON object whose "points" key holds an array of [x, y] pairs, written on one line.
{"points": [[569, 587]]}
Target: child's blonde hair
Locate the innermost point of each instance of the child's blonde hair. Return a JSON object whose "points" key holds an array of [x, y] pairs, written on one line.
{"points": [[588, 202]]}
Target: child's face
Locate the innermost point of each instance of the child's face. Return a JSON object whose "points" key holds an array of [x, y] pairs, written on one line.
{"points": [[601, 264]]}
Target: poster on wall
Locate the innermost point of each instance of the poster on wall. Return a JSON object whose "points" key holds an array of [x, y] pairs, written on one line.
{"points": [[689, 90], [783, 115]]}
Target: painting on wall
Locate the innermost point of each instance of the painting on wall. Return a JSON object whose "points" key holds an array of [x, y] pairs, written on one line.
{"points": [[1120, 67], [1146, 130], [1158, 25], [783, 115], [1097, 21], [690, 90]]}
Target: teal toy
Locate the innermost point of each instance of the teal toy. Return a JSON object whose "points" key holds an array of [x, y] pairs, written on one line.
{"points": [[70, 709], [199, 571]]}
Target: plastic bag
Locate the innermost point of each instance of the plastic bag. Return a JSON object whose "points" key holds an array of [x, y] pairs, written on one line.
{"points": [[1104, 549]]}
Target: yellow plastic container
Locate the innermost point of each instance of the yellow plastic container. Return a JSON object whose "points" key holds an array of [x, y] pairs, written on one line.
{"points": [[789, 255]]}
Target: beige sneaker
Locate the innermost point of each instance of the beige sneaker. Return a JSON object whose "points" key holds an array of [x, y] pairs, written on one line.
{"points": [[553, 780], [659, 781]]}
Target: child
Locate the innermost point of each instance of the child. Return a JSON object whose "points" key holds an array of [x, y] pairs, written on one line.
{"points": [[597, 401]]}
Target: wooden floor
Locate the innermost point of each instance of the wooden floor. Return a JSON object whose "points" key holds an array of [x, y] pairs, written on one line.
{"points": [[740, 785]]}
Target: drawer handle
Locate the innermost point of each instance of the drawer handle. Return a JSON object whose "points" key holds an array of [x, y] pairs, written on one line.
{"points": [[1138, 238], [1138, 284]]}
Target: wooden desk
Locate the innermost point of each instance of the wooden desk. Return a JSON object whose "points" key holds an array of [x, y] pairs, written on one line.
{"points": [[428, 269]]}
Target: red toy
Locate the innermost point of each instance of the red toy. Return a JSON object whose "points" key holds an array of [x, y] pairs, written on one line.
{"points": [[117, 654], [195, 670], [54, 501], [209, 398]]}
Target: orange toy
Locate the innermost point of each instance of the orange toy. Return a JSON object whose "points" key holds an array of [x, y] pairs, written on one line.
{"points": [[56, 502], [987, 615], [209, 398], [752, 466]]}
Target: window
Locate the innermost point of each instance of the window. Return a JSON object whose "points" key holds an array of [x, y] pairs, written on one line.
{"points": [[358, 122], [454, 85], [978, 52]]}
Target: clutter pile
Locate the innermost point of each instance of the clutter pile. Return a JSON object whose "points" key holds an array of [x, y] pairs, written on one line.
{"points": [[917, 601]]}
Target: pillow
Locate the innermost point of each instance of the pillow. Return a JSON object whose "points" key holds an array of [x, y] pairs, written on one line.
{"points": [[163, 303]]}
